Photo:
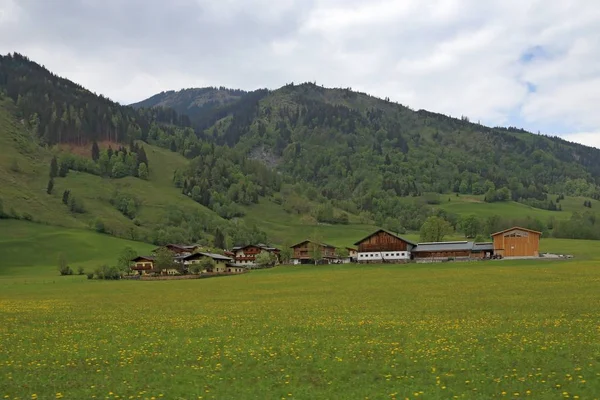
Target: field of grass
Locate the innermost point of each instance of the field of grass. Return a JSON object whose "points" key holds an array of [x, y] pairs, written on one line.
{"points": [[482, 330], [30, 250], [474, 205]]}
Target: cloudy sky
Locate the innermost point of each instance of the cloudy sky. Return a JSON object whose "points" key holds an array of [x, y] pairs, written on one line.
{"points": [[528, 63]]}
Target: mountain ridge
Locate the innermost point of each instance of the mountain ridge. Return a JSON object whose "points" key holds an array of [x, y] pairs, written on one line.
{"points": [[333, 156]]}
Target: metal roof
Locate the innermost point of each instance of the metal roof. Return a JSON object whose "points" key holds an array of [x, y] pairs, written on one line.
{"points": [[443, 246], [488, 246]]}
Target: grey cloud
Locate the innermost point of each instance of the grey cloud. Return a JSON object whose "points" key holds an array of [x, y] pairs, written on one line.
{"points": [[453, 56]]}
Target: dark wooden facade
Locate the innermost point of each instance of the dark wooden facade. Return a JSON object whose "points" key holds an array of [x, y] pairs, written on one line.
{"points": [[304, 250], [247, 254], [442, 254], [383, 240]]}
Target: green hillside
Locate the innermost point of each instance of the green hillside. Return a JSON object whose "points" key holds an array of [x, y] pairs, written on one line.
{"points": [[279, 166]]}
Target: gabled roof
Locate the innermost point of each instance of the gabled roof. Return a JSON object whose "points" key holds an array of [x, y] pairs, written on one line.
{"points": [[211, 255], [312, 241], [443, 246], [138, 258], [389, 233], [515, 228], [260, 246]]}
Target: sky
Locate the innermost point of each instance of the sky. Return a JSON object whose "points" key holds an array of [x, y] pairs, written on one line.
{"points": [[533, 64]]}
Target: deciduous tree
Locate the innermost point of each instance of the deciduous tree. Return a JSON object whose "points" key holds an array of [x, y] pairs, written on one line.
{"points": [[434, 229]]}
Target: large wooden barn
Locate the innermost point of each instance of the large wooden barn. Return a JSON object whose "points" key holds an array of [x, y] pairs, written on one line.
{"points": [[384, 246], [517, 242]]}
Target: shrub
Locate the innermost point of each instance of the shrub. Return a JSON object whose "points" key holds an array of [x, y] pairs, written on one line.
{"points": [[107, 273], [80, 270], [90, 275], [63, 266]]}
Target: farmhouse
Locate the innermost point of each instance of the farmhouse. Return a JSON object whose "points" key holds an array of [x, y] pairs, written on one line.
{"points": [[246, 255], [306, 251], [221, 262], [517, 242], [143, 264], [352, 254], [384, 246]]}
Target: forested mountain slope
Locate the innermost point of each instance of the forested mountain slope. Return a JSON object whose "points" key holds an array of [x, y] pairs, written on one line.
{"points": [[366, 154], [316, 155]]}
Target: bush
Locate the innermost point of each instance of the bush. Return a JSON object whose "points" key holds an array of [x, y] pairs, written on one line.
{"points": [[90, 275], [107, 273], [80, 270], [63, 266]]}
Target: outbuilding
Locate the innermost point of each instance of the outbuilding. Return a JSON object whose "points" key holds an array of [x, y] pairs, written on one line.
{"points": [[517, 242]]}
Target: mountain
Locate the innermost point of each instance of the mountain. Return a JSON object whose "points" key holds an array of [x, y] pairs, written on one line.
{"points": [[367, 154], [283, 162], [195, 103]]}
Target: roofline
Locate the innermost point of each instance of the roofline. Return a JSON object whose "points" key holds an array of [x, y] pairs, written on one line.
{"points": [[389, 233], [516, 227], [312, 241], [454, 242]]}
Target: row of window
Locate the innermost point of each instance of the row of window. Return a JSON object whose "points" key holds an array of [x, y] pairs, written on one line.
{"points": [[379, 255]]}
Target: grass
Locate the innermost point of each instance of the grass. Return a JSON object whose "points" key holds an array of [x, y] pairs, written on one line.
{"points": [[501, 329], [31, 250]]}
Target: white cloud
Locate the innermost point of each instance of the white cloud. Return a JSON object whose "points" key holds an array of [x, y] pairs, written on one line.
{"points": [[587, 138], [529, 63]]}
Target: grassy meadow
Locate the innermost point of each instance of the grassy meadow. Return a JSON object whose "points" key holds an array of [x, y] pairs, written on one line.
{"points": [[481, 330]]}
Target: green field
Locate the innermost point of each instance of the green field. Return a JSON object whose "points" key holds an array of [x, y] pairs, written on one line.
{"points": [[497, 329]]}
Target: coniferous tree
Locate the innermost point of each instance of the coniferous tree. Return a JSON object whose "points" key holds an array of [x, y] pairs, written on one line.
{"points": [[219, 241], [53, 167], [95, 151], [65, 197], [50, 186]]}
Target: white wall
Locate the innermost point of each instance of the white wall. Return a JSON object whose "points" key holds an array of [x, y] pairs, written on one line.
{"points": [[383, 255]]}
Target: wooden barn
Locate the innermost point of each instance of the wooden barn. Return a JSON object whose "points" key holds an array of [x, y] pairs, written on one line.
{"points": [[438, 251], [304, 252], [517, 242], [384, 246]]}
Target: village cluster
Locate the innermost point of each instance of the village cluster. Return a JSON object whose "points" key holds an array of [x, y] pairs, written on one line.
{"points": [[381, 246]]}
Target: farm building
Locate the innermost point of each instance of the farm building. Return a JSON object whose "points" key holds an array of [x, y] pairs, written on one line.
{"points": [[352, 254], [306, 251], [517, 242], [436, 251], [384, 246], [221, 262], [246, 255], [143, 264], [458, 251]]}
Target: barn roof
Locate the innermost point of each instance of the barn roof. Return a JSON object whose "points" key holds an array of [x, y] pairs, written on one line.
{"points": [[488, 246], [138, 258], [260, 246], [214, 256], [312, 241], [443, 246], [515, 228], [389, 233]]}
